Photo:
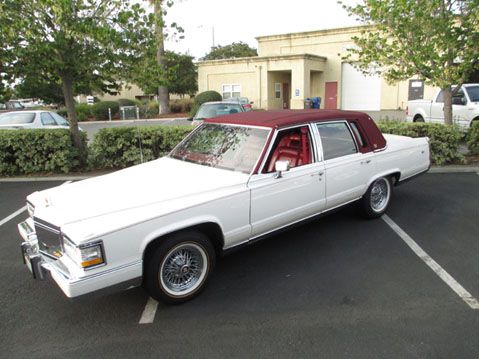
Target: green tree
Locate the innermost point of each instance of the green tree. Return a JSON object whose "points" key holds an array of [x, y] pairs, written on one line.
{"points": [[49, 90], [437, 40], [179, 73], [234, 50], [89, 42]]}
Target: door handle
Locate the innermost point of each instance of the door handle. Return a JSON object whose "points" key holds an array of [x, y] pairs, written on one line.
{"points": [[365, 162]]}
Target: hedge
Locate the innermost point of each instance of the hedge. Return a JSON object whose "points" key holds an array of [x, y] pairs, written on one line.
{"points": [[100, 110], [472, 138], [37, 151], [444, 140], [203, 97], [119, 147]]}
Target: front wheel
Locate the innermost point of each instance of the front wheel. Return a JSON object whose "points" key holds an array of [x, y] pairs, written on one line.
{"points": [[177, 270], [376, 199]]}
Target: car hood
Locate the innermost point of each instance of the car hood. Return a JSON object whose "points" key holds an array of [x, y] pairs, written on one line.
{"points": [[134, 194]]}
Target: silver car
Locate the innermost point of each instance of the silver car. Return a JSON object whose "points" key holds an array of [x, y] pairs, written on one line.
{"points": [[32, 119]]}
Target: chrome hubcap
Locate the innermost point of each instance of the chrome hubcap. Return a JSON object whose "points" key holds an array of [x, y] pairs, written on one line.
{"points": [[183, 269], [379, 195]]}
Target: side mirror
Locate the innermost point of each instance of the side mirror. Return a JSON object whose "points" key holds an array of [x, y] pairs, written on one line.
{"points": [[280, 167]]}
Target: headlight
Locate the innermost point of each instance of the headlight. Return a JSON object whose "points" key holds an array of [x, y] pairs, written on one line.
{"points": [[86, 255]]}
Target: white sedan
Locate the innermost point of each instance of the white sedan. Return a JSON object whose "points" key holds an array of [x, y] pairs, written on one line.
{"points": [[235, 179], [32, 119]]}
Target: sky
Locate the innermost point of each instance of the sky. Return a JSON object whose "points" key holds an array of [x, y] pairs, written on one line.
{"points": [[243, 20]]}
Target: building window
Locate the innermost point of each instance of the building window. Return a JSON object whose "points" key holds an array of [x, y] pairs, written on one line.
{"points": [[277, 90], [231, 91]]}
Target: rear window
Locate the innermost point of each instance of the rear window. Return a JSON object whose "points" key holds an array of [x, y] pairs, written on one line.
{"points": [[16, 118]]}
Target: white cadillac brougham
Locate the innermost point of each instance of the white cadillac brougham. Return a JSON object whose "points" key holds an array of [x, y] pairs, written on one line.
{"points": [[233, 180]]}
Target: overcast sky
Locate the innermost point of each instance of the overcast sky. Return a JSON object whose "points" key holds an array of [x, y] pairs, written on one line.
{"points": [[243, 20]]}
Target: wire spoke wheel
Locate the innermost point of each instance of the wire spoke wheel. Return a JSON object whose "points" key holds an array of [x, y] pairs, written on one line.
{"points": [[380, 193]]}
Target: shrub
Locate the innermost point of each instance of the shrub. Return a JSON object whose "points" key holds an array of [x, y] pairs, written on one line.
{"points": [[126, 102], [100, 110], [444, 140], [203, 97], [37, 151], [84, 111], [62, 111], [119, 147], [472, 138], [183, 105]]}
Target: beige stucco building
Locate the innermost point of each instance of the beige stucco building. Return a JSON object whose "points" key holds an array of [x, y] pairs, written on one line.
{"points": [[290, 68]]}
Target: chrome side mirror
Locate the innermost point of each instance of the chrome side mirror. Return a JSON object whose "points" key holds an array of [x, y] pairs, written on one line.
{"points": [[280, 167]]}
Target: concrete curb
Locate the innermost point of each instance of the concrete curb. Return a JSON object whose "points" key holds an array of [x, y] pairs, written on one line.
{"points": [[434, 169]]}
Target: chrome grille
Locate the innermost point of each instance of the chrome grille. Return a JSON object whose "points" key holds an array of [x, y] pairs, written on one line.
{"points": [[49, 240]]}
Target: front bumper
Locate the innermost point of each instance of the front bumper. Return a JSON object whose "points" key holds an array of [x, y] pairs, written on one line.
{"points": [[71, 279]]}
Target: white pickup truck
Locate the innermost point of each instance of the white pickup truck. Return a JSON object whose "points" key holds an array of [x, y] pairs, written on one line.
{"points": [[465, 107], [235, 179]]}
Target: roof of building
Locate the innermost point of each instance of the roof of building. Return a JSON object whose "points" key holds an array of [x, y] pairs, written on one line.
{"points": [[285, 118]]}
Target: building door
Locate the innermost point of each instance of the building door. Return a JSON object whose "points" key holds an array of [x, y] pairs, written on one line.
{"points": [[416, 90], [359, 91], [331, 96], [286, 96]]}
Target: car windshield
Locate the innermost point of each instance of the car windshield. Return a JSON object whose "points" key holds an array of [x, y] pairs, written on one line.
{"points": [[217, 109], [16, 118], [228, 147], [473, 92], [60, 120]]}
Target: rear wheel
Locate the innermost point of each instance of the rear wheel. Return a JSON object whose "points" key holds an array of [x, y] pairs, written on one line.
{"points": [[376, 199], [178, 269]]}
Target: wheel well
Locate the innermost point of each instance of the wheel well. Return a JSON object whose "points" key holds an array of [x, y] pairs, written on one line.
{"points": [[475, 119], [395, 177], [211, 230], [417, 117]]}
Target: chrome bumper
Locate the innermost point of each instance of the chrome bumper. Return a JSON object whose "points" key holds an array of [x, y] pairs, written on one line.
{"points": [[30, 250]]}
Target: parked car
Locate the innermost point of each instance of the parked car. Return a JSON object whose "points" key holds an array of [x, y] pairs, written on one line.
{"points": [[32, 119], [215, 109], [244, 101], [231, 181], [465, 107], [12, 105]]}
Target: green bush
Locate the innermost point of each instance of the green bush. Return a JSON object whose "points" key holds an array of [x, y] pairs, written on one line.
{"points": [[181, 105], [37, 151], [203, 97], [100, 110], [444, 140], [84, 111], [62, 111], [126, 102], [120, 147], [472, 138]]}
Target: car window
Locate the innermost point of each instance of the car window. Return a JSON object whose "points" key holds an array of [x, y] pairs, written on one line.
{"points": [[217, 109], [47, 119], [16, 118], [473, 92], [228, 147], [292, 145], [336, 140], [59, 119]]}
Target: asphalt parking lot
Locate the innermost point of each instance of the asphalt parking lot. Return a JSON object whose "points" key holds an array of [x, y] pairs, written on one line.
{"points": [[337, 287]]}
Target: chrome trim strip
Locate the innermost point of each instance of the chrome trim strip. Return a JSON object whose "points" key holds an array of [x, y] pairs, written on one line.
{"points": [[106, 272]]}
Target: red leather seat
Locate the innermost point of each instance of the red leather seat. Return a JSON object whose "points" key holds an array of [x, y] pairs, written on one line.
{"points": [[288, 149]]}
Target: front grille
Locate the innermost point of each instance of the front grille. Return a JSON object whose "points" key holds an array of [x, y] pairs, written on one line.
{"points": [[49, 240]]}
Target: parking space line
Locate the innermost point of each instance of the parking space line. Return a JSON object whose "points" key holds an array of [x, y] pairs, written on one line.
{"points": [[148, 315], [446, 277], [13, 215]]}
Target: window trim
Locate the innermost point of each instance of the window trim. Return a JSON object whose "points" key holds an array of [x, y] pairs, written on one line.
{"points": [[280, 91], [321, 141]]}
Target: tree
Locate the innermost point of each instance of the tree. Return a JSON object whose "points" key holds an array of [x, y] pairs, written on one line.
{"points": [[89, 42], [49, 90], [234, 50], [437, 40], [179, 73]]}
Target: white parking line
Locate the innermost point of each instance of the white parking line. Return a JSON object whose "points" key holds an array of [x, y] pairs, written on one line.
{"points": [[13, 215], [149, 312], [446, 277]]}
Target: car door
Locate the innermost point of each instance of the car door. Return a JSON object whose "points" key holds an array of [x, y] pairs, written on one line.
{"points": [[277, 201], [460, 109], [347, 171]]}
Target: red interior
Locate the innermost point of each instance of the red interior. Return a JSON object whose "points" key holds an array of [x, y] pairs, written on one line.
{"points": [[292, 147]]}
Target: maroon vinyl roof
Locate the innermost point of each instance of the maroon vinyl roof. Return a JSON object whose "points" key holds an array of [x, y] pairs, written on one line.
{"points": [[286, 118]]}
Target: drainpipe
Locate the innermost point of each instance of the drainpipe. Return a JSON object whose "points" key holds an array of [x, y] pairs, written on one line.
{"points": [[260, 97]]}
